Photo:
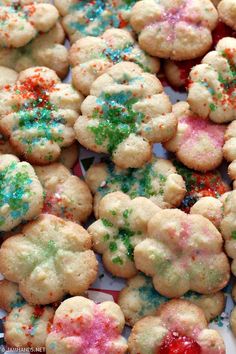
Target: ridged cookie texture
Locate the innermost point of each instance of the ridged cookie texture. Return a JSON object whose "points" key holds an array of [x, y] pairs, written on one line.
{"points": [[182, 252], [92, 56], [21, 194], [211, 92], [157, 180], [122, 224], [22, 21], [125, 113], [66, 195], [37, 113], [175, 29], [81, 326], [48, 259], [178, 326]]}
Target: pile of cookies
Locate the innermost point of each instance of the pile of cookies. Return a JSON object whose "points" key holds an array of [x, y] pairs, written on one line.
{"points": [[166, 226]]}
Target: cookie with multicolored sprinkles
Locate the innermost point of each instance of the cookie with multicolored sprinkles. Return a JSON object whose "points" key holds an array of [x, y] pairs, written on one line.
{"points": [[37, 114], [66, 195], [21, 194], [21, 21], [49, 258], [45, 50], [93, 17], [92, 56], [182, 252], [122, 224], [126, 112], [198, 143], [178, 30], [212, 87], [81, 326], [157, 180], [178, 327], [139, 299]]}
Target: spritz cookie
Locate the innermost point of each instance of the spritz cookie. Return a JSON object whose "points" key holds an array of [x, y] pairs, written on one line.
{"points": [[45, 50], [92, 56], [157, 180], [21, 21], [21, 194], [229, 149], [49, 258], [211, 92], [66, 196], [93, 17], [178, 30], [10, 296], [122, 224], [178, 327], [209, 207], [125, 113], [182, 252], [81, 326], [198, 143], [139, 299], [227, 12], [37, 113]]}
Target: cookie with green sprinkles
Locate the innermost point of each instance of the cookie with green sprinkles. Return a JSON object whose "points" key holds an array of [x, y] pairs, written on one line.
{"points": [[139, 299], [21, 194], [157, 180], [37, 114], [22, 21], [122, 224], [90, 57], [49, 258], [126, 112], [212, 85]]}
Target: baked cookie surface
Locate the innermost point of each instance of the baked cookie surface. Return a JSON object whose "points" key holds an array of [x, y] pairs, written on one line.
{"points": [[81, 326], [21, 21], [178, 327], [21, 194], [56, 260], [37, 114], [66, 196], [157, 180], [125, 113], [198, 143], [212, 83], [182, 252], [176, 29], [227, 12], [209, 207], [92, 56], [122, 224]]}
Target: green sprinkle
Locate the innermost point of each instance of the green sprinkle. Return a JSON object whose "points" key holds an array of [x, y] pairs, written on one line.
{"points": [[117, 260], [212, 107], [106, 222], [113, 246], [233, 234], [106, 237], [127, 213]]}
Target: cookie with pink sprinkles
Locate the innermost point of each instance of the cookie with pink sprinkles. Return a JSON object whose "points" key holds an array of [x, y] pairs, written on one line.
{"points": [[177, 30], [81, 326]]}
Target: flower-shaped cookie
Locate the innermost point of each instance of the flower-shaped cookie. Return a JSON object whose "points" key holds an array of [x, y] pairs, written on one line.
{"points": [[21, 21], [172, 29], [37, 113], [182, 252], [81, 326], [139, 299], [198, 143], [92, 17], [21, 194], [178, 327], [92, 56], [227, 12], [25, 325], [126, 112], [157, 180], [198, 185], [209, 207], [45, 50], [212, 83], [66, 195], [49, 258], [122, 224]]}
